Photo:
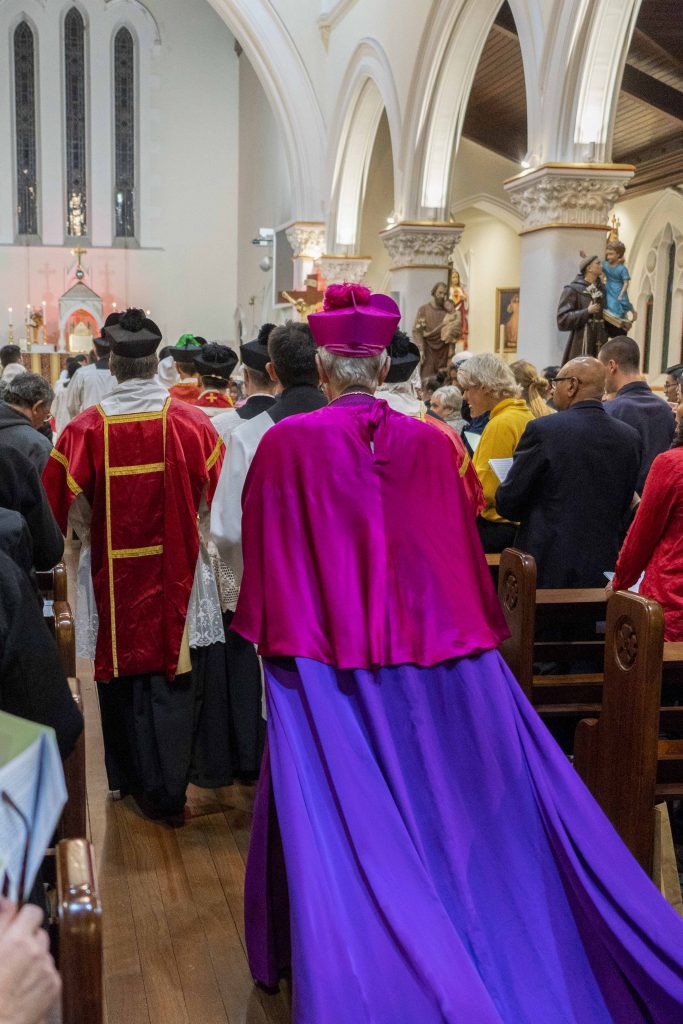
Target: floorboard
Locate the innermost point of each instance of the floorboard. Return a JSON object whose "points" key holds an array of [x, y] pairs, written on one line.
{"points": [[174, 947]]}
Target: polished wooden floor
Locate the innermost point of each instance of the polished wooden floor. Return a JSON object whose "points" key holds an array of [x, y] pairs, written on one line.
{"points": [[174, 948]]}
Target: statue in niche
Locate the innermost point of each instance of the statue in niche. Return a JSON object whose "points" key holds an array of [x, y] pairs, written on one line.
{"points": [[455, 326], [427, 330]]}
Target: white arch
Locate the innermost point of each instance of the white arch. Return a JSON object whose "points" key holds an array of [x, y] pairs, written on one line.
{"points": [[446, 65], [276, 60], [596, 68], [367, 90]]}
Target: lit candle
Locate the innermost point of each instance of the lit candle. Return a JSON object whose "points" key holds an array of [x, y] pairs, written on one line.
{"points": [[9, 315], [113, 306], [148, 312]]}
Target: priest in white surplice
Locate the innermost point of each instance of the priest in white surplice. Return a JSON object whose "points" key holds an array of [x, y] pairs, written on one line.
{"points": [[259, 386], [92, 383]]}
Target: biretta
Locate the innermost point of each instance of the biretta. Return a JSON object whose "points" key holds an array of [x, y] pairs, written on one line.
{"points": [[111, 321], [186, 348], [354, 322], [405, 358], [215, 360], [255, 353], [134, 336]]}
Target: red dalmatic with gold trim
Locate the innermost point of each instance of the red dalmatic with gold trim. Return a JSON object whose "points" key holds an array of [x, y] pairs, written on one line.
{"points": [[143, 476], [214, 400]]}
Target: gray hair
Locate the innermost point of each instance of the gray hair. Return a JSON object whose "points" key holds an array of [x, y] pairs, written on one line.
{"points": [[450, 396], [490, 373], [26, 389], [352, 371], [125, 368]]}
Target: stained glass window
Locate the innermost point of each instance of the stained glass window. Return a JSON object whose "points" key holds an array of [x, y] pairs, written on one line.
{"points": [[124, 134], [25, 130], [75, 121]]}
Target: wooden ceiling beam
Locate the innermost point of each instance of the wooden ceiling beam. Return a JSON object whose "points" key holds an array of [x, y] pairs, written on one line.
{"points": [[653, 92]]}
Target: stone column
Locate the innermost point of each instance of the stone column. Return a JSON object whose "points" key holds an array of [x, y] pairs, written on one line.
{"points": [[307, 239], [565, 208], [420, 254], [341, 269]]}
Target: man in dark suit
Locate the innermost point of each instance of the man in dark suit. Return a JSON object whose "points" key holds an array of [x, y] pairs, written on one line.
{"points": [[572, 482], [635, 402]]}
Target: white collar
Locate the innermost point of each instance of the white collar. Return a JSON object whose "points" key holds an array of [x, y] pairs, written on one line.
{"points": [[135, 396]]}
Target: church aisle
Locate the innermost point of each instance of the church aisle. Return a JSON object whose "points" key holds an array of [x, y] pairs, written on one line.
{"points": [[172, 901]]}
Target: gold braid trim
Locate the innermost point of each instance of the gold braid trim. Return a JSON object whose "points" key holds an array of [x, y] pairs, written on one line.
{"points": [[213, 457], [70, 482]]}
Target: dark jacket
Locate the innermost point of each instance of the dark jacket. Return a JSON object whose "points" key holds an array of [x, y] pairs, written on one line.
{"points": [[22, 491], [254, 406], [15, 539], [17, 432], [587, 331], [32, 681], [570, 487], [297, 399], [637, 405]]}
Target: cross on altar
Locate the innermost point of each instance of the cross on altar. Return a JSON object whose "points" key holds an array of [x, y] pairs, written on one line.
{"points": [[78, 252]]}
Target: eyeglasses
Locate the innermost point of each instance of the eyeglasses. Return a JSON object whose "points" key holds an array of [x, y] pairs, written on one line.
{"points": [[556, 380], [671, 385], [21, 886]]}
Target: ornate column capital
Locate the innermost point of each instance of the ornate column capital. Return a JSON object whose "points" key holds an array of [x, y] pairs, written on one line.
{"points": [[568, 195], [421, 244], [307, 239], [340, 269]]}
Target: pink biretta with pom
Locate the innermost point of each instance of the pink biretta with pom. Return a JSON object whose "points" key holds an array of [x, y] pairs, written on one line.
{"points": [[354, 322]]}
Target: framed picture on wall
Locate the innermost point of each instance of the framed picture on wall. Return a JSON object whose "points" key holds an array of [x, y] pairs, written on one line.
{"points": [[507, 319]]}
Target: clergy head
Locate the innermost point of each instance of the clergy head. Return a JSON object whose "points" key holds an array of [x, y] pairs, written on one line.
{"points": [[214, 363], [292, 352], [255, 359], [101, 343], [31, 395], [187, 347], [352, 334], [405, 359], [133, 341]]}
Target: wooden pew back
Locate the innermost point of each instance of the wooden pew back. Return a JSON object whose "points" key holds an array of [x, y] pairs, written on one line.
{"points": [[517, 595], [80, 934], [617, 755]]}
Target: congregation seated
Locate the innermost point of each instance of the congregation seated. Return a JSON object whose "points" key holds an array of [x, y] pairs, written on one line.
{"points": [[447, 404], [489, 385]]}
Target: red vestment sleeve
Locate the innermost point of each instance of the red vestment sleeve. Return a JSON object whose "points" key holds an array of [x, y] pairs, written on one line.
{"points": [[69, 470], [659, 495]]}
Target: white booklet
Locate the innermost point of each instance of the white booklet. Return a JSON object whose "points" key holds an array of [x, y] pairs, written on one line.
{"points": [[472, 439], [501, 467], [32, 793]]}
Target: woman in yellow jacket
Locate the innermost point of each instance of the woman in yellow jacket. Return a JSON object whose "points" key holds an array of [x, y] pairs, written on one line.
{"points": [[489, 385]]}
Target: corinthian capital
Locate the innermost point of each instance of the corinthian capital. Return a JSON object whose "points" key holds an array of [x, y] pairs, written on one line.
{"points": [[568, 195], [307, 239], [340, 269], [424, 245]]}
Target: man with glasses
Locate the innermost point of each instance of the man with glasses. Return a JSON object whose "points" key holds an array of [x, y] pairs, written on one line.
{"points": [[572, 482], [672, 385]]}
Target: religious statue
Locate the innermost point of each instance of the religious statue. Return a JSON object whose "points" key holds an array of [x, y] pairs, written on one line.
{"points": [[455, 325], [303, 308], [618, 314], [76, 216], [34, 327], [427, 330], [580, 311]]}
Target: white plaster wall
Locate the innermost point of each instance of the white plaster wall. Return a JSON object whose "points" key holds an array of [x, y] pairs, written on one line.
{"points": [[184, 270], [264, 195], [491, 249]]}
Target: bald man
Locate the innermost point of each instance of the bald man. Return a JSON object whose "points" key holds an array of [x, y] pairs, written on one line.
{"points": [[572, 482]]}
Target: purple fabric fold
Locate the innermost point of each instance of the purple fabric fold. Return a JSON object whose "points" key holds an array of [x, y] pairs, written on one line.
{"points": [[358, 572], [445, 863]]}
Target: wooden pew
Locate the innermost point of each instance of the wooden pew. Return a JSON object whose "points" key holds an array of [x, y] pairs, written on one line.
{"points": [[617, 754], [73, 822], [53, 583], [79, 934]]}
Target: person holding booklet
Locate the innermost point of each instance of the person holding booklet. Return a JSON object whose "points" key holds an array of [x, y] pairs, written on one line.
{"points": [[572, 481], [488, 385]]}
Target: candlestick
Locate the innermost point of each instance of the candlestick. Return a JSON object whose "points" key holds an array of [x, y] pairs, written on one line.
{"points": [[9, 315]]}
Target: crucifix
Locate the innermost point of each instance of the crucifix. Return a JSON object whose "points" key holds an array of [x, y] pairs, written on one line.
{"points": [[78, 252]]}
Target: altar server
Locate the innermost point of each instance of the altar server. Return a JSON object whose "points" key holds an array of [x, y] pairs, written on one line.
{"points": [[131, 474], [214, 364], [187, 387], [444, 862]]}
